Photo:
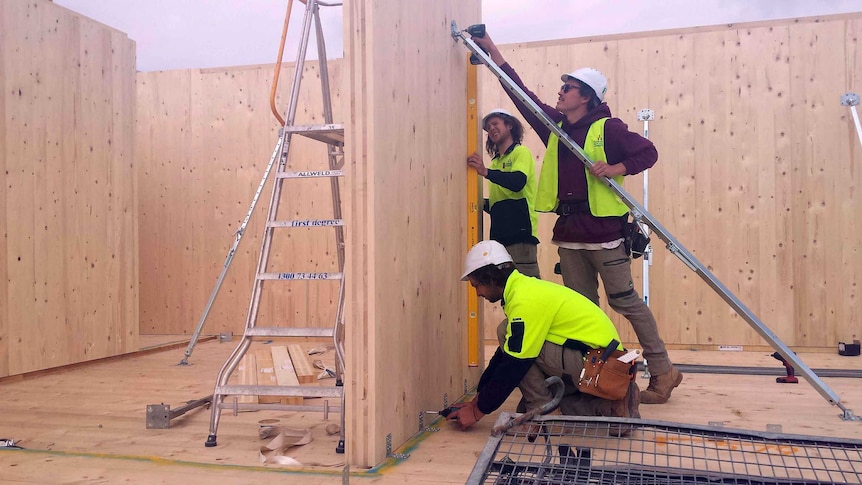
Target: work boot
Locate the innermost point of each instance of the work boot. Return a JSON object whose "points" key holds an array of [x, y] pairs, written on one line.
{"points": [[660, 386], [626, 407]]}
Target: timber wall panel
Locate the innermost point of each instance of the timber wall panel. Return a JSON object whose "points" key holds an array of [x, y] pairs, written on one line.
{"points": [[5, 39], [69, 286], [757, 173], [204, 138], [406, 142]]}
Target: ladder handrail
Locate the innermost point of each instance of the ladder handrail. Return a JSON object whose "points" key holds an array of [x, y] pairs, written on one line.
{"points": [[642, 216], [275, 76], [278, 65]]}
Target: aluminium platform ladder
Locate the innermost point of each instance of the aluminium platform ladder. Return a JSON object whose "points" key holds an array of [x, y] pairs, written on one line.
{"points": [[333, 136]]}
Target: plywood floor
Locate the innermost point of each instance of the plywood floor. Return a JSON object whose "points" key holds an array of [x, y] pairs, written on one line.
{"points": [[87, 424]]}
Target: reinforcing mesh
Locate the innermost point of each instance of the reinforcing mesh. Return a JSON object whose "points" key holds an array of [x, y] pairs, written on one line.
{"points": [[570, 449]]}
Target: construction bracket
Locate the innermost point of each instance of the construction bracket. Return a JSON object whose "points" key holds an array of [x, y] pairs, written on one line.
{"points": [[159, 416]]}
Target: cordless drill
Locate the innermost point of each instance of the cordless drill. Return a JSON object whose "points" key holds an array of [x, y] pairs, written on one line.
{"points": [[790, 378], [477, 30]]}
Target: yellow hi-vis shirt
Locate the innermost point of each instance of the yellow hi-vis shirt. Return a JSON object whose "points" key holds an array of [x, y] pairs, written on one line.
{"points": [[603, 201], [540, 310], [518, 160]]}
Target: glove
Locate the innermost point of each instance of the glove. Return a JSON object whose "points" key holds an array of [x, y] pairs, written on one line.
{"points": [[467, 414]]}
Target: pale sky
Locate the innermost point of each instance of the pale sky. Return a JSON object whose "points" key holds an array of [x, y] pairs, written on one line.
{"points": [[180, 34]]}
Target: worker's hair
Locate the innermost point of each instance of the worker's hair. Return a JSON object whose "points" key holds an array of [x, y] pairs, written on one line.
{"points": [[589, 92], [515, 128], [493, 274]]}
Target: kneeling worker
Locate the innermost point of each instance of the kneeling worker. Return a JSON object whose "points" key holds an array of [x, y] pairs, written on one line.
{"points": [[549, 329]]}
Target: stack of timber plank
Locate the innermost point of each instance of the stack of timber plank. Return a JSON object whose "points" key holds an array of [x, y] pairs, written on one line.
{"points": [[276, 365]]}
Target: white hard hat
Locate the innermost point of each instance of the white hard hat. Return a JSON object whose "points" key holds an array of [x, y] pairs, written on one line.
{"points": [[483, 254], [592, 78], [495, 112]]}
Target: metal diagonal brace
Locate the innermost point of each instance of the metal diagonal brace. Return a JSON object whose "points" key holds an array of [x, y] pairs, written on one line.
{"points": [[642, 216], [232, 251]]}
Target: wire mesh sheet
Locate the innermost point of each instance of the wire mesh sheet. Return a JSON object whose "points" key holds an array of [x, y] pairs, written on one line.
{"points": [[572, 449]]}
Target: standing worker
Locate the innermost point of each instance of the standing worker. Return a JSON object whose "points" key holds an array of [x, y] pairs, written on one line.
{"points": [[589, 229], [511, 189], [550, 327]]}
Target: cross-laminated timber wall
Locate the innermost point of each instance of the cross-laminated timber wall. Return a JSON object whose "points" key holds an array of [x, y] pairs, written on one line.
{"points": [[68, 251], [204, 137], [405, 140]]}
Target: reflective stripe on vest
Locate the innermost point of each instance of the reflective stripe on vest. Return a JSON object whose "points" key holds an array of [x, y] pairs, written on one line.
{"points": [[603, 201]]}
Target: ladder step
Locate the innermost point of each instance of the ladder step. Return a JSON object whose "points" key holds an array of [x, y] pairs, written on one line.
{"points": [[309, 174], [288, 332], [332, 134], [300, 276], [297, 391], [307, 223]]}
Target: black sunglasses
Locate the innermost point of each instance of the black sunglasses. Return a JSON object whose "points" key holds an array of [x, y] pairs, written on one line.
{"points": [[568, 87]]}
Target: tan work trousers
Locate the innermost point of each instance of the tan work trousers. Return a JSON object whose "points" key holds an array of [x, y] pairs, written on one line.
{"points": [[566, 363], [581, 268], [525, 257]]}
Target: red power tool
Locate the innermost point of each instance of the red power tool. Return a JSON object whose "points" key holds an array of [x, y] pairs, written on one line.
{"points": [[791, 377]]}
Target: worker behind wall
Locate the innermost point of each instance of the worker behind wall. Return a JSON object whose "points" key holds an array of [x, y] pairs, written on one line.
{"points": [[511, 189]]}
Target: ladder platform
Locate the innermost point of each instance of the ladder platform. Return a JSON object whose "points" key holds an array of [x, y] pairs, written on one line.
{"points": [[293, 391], [332, 134], [309, 174], [307, 223], [288, 332], [300, 276]]}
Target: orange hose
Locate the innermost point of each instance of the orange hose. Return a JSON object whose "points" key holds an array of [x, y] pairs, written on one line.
{"points": [[278, 65]]}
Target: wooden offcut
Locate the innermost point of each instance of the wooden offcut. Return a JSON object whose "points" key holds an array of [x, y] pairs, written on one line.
{"points": [[274, 369], [248, 377], [305, 373], [266, 374]]}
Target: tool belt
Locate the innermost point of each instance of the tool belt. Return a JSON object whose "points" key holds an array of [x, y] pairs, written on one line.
{"points": [[569, 207], [605, 376]]}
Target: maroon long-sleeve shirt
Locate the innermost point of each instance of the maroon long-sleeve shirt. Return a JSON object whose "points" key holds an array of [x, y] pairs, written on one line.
{"points": [[635, 152]]}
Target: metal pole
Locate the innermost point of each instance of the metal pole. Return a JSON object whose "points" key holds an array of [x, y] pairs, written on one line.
{"points": [[338, 327], [851, 100], [646, 115], [230, 254], [641, 215]]}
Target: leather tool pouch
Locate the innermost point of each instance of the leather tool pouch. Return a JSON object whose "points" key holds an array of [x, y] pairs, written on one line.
{"points": [[635, 241], [606, 379]]}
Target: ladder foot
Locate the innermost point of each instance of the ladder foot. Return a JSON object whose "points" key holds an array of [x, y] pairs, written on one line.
{"points": [[339, 383], [340, 447], [211, 441]]}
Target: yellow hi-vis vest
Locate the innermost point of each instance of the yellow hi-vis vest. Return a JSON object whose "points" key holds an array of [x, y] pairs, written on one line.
{"points": [[603, 201]]}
